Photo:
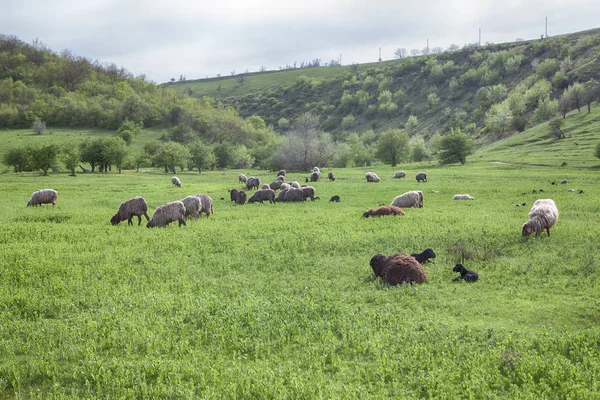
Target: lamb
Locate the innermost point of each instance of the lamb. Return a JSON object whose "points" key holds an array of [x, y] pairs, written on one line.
{"points": [[543, 215], [462, 197], [129, 209], [331, 176], [372, 177], [335, 198], [207, 204], [263, 195], [265, 186], [276, 184], [241, 198], [315, 176], [242, 178], [399, 174], [465, 274], [398, 268], [424, 256], [233, 194], [383, 210], [44, 196], [291, 194], [308, 191], [252, 183], [164, 215], [421, 176], [410, 199], [175, 181], [192, 205]]}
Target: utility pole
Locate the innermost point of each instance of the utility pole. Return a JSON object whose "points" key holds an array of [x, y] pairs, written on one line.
{"points": [[479, 37], [546, 27], [380, 54], [427, 45], [340, 59]]}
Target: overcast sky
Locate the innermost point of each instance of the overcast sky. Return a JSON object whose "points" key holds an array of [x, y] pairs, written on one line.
{"points": [[197, 38]]}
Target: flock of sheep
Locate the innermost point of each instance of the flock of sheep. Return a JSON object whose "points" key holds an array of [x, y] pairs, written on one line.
{"points": [[395, 269]]}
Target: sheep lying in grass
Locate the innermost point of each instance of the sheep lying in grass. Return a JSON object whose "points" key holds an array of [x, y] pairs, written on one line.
{"points": [[372, 177], [399, 175], [421, 177], [242, 178], [398, 268], [383, 210], [175, 181], [44, 196], [207, 204], [263, 195], [543, 215], [192, 205], [465, 274], [410, 199], [463, 197], [335, 198], [164, 215], [129, 209], [424, 256]]}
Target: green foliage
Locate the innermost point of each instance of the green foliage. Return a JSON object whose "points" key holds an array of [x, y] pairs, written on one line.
{"points": [[393, 146], [18, 157], [44, 157], [554, 127], [433, 100], [39, 126], [411, 124], [418, 151], [539, 91], [545, 111], [70, 156], [455, 147], [498, 118], [129, 130], [547, 68], [171, 155]]}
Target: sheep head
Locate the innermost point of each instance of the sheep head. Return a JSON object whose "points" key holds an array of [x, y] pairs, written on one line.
{"points": [[377, 263]]}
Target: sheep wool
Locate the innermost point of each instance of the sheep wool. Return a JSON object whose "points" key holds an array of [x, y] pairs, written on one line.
{"points": [[242, 178], [543, 215], [410, 199], [462, 197], [44, 196], [263, 195], [331, 176], [129, 209], [308, 191], [233, 194], [164, 215], [175, 181], [398, 268], [383, 210], [372, 177], [252, 183], [193, 205], [399, 174], [207, 204], [291, 194], [421, 177], [265, 186]]}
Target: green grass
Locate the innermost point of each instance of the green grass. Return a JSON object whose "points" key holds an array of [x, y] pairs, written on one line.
{"points": [[278, 301]]}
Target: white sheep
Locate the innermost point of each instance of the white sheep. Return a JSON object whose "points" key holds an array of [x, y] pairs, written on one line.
{"points": [[207, 204], [399, 174], [193, 205], [175, 181], [543, 215], [129, 209], [372, 177], [44, 196], [410, 199], [242, 178], [463, 197], [164, 215]]}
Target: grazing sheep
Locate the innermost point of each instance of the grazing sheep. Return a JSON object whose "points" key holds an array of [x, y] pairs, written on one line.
{"points": [[262, 195], [316, 169], [233, 194], [372, 177], [241, 198], [315, 176], [175, 181], [308, 191], [383, 210], [291, 194], [571, 190], [252, 183], [564, 182], [280, 178], [281, 172], [421, 176], [399, 174], [164, 215], [543, 215], [207, 204], [276, 184], [129, 209], [285, 186], [465, 274], [331, 176], [335, 198], [424, 256], [410, 199], [398, 268], [44, 196], [242, 178], [192, 205], [295, 184], [265, 186], [462, 197]]}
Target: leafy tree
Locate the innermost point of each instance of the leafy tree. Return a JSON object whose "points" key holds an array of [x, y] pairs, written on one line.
{"points": [[590, 93], [139, 158], [39, 126], [44, 157], [564, 105], [70, 156], [201, 155], [412, 124], [433, 99], [171, 155], [574, 95], [115, 152], [129, 130], [546, 110], [18, 157], [554, 126], [498, 118], [455, 147], [418, 151], [393, 146]]}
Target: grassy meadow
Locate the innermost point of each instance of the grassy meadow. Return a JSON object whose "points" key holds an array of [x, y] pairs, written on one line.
{"points": [[279, 301]]}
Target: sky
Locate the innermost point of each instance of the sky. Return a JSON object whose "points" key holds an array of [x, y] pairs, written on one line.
{"points": [[198, 39]]}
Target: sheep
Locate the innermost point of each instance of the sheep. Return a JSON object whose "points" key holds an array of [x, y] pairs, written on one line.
{"points": [[262, 195], [242, 178], [564, 182], [399, 174], [265, 186], [295, 184], [335, 198], [233, 194], [410, 199], [280, 178], [315, 176], [331, 176], [207, 204], [175, 181], [291, 194], [462, 197], [309, 191], [465, 274], [192, 205], [281, 172], [164, 215], [44, 196], [421, 176], [241, 198], [424, 256], [275, 185], [543, 215], [383, 210], [316, 169], [398, 268], [252, 183], [285, 186], [372, 177], [129, 209]]}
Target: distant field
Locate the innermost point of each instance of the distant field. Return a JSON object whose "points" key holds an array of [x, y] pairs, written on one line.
{"points": [[279, 301]]}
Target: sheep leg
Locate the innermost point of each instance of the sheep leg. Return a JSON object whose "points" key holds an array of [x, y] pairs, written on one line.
{"points": [[181, 222], [548, 230], [146, 215], [139, 220], [129, 222]]}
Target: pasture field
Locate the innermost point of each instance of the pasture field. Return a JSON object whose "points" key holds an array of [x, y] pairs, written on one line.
{"points": [[279, 301]]}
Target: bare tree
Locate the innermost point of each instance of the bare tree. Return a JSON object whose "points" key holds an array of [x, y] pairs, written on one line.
{"points": [[262, 68], [400, 52], [426, 51], [415, 52], [232, 72], [241, 79], [437, 50], [453, 47]]}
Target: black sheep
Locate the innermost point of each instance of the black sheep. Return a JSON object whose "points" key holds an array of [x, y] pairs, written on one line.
{"points": [[424, 256], [465, 274], [335, 198]]}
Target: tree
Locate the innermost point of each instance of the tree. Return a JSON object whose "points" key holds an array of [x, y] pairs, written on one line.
{"points": [[564, 105], [455, 147], [39, 126], [116, 151], [412, 124], [241, 79], [201, 155], [224, 154], [393, 146], [171, 155], [400, 53], [44, 157], [129, 130], [574, 94], [139, 158], [590, 93], [417, 148], [498, 118], [554, 126], [415, 52], [70, 156], [18, 158], [433, 99], [546, 110]]}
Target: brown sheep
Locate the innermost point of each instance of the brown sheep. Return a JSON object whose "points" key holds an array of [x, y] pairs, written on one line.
{"points": [[398, 268], [384, 210]]}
